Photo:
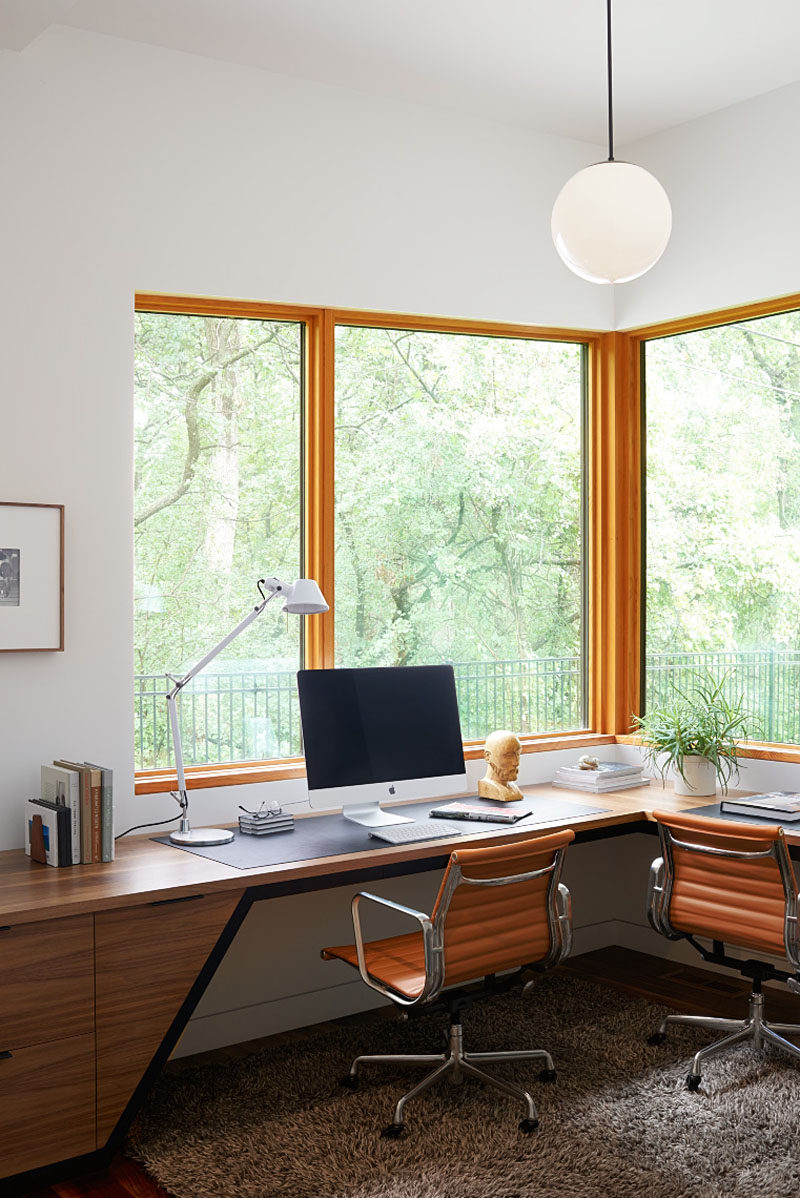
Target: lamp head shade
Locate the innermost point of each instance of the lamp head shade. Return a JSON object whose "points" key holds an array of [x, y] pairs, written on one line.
{"points": [[611, 222], [304, 598]]}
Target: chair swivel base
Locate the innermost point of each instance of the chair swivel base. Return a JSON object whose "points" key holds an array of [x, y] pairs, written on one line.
{"points": [[754, 1028], [456, 1065]]}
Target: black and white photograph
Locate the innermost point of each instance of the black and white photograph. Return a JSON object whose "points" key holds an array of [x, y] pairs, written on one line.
{"points": [[9, 577], [31, 577]]}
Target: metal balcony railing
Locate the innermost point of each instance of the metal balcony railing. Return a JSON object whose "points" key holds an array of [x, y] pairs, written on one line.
{"points": [[769, 680], [253, 715]]}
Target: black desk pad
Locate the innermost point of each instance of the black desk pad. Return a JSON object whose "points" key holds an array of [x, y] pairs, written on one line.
{"points": [[714, 811], [332, 835]]}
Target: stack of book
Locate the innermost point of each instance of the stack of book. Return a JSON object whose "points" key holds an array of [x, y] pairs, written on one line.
{"points": [[609, 775], [262, 823], [72, 823]]}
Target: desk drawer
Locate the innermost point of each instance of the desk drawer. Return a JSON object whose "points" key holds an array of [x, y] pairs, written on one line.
{"points": [[47, 1104], [46, 981]]}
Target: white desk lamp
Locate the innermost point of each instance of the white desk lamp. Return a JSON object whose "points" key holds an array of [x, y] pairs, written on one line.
{"points": [[303, 598]]}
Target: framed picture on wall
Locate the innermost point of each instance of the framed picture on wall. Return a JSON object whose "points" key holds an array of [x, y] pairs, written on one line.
{"points": [[31, 577]]}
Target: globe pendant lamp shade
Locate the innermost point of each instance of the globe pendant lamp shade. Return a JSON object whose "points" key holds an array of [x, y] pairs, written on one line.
{"points": [[611, 222]]}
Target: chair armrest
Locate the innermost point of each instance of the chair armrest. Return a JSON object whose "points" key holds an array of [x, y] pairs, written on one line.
{"points": [[655, 894], [791, 934], [560, 921], [658, 900], [564, 916], [434, 952], [420, 916]]}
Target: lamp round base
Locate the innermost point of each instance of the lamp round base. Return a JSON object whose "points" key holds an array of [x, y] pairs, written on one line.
{"points": [[202, 837]]}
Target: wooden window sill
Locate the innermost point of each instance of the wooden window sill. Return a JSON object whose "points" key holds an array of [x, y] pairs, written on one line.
{"points": [[244, 773], [761, 750]]}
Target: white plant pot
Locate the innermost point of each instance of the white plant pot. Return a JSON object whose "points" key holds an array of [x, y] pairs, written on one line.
{"points": [[701, 777]]}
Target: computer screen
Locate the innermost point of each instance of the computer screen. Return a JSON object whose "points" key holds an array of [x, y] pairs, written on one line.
{"points": [[380, 734]]}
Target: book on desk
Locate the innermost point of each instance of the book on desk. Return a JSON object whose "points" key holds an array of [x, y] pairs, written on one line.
{"points": [[782, 806], [478, 812]]}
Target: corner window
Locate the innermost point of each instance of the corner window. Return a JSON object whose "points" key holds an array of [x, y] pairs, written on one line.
{"points": [[723, 515]]}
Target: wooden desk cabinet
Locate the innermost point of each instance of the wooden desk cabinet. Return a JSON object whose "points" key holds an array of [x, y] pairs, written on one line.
{"points": [[47, 1067], [85, 1002]]}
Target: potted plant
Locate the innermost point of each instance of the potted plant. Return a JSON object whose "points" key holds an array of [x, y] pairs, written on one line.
{"points": [[695, 735]]}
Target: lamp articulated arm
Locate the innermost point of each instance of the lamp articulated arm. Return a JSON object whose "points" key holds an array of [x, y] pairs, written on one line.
{"points": [[273, 586]]}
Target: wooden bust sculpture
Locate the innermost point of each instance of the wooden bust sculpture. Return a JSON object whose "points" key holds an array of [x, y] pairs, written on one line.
{"points": [[502, 755]]}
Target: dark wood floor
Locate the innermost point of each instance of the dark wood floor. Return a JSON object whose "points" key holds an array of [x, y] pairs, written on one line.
{"points": [[683, 986]]}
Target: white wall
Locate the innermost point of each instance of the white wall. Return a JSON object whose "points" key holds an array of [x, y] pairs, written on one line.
{"points": [[127, 167], [733, 179]]}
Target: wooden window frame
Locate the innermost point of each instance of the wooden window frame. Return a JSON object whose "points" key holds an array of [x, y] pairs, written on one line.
{"points": [[614, 513], [627, 356]]}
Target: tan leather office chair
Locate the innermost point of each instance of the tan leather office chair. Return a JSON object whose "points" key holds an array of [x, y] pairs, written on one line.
{"points": [[731, 883], [499, 909]]}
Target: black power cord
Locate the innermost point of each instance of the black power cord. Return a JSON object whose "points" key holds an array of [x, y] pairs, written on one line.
{"points": [[157, 824]]}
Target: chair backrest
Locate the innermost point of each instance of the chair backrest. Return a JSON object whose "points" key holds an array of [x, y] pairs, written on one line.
{"points": [[499, 907], [728, 881]]}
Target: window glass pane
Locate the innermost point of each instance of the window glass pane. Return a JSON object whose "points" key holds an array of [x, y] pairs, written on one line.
{"points": [[458, 517], [217, 506], [723, 515]]}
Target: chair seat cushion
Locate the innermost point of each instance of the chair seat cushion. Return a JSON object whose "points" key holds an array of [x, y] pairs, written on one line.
{"points": [[398, 962]]}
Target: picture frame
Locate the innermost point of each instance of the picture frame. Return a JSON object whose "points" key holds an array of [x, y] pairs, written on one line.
{"points": [[31, 577]]}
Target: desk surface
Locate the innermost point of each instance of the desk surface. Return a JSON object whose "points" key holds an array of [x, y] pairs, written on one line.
{"points": [[145, 871]]}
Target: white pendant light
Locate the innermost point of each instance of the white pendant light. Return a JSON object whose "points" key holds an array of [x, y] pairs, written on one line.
{"points": [[611, 222]]}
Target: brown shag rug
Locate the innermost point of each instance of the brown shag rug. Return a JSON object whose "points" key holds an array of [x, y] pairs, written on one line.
{"points": [[618, 1123]]}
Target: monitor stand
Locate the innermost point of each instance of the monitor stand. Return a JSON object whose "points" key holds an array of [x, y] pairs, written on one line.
{"points": [[372, 815]]}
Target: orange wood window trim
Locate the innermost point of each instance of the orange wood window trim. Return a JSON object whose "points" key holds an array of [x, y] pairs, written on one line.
{"points": [[239, 774], [318, 527], [635, 339], [709, 320], [615, 560], [756, 749], [204, 305], [478, 328]]}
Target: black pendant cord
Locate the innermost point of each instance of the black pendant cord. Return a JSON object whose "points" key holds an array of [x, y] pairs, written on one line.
{"points": [[610, 93]]}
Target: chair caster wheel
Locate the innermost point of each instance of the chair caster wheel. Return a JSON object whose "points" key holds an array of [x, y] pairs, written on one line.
{"points": [[547, 1076], [693, 1082], [657, 1038], [528, 1125], [394, 1131], [349, 1081]]}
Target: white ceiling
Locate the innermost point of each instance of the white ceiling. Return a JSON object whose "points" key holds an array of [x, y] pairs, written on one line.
{"points": [[538, 63]]}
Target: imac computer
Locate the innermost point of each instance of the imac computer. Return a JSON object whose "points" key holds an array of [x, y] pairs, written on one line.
{"points": [[380, 735]]}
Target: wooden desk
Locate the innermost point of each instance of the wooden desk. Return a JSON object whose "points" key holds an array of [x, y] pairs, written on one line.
{"points": [[103, 965]]}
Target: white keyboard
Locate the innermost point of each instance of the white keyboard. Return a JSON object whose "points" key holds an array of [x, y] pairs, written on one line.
{"points": [[424, 829]]}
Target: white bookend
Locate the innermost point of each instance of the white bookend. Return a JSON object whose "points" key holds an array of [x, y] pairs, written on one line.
{"points": [[49, 817]]}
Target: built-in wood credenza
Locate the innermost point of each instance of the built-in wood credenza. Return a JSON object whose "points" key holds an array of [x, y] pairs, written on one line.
{"points": [[47, 1024], [85, 1003], [101, 967]]}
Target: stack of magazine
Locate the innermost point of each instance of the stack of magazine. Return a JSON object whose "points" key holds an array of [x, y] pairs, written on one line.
{"points": [[264, 823], [609, 775]]}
